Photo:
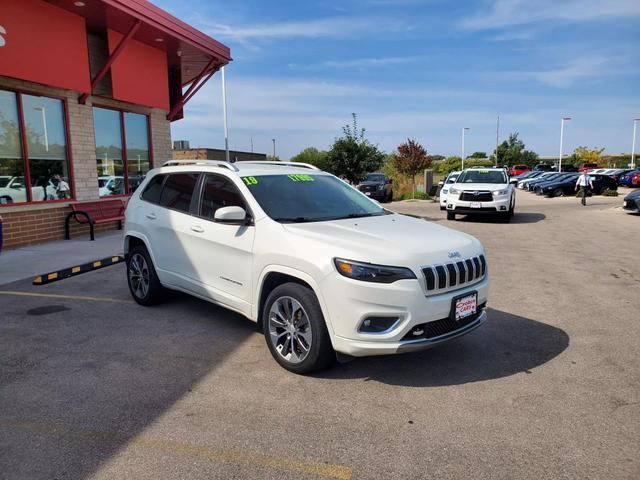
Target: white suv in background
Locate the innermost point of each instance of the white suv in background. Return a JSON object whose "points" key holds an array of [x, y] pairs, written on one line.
{"points": [[444, 190], [482, 191], [321, 267]]}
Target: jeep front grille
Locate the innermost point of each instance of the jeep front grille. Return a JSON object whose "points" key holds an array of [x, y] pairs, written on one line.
{"points": [[455, 274]]}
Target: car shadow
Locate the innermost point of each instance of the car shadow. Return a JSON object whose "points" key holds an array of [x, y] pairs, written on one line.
{"points": [[519, 217], [505, 345]]}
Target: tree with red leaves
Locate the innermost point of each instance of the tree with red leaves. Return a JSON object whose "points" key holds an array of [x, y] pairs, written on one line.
{"points": [[410, 159]]}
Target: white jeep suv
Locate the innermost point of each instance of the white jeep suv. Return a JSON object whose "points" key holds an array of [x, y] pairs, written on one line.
{"points": [[482, 191], [321, 267]]}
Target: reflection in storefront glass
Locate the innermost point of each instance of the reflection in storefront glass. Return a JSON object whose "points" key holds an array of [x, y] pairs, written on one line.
{"points": [[46, 143], [110, 164], [12, 183], [137, 140]]}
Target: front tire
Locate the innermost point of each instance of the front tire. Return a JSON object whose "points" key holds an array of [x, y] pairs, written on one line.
{"points": [[295, 330], [451, 216], [558, 192], [143, 281]]}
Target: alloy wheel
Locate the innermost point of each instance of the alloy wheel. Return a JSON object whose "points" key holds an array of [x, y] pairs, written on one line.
{"points": [[139, 275], [290, 329]]}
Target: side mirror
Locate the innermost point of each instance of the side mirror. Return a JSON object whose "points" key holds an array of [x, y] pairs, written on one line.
{"points": [[17, 186], [231, 215]]}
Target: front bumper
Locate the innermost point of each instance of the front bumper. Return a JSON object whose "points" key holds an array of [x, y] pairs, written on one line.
{"points": [[350, 302], [375, 194], [631, 205], [500, 204]]}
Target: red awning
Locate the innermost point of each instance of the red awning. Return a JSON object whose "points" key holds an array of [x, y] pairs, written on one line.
{"points": [[189, 51]]}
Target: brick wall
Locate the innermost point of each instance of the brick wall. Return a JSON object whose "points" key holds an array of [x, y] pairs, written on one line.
{"points": [[28, 227], [28, 224]]}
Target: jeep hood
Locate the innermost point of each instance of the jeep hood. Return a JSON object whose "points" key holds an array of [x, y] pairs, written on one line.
{"points": [[388, 240]]}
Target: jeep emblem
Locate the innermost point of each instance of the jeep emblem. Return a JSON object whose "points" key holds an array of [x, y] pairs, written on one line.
{"points": [[455, 254]]}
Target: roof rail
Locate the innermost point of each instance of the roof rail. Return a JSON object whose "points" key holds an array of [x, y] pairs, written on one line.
{"points": [[284, 164], [212, 163]]}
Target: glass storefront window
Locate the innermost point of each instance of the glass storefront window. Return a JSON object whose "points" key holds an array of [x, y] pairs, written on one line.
{"points": [[12, 183], [137, 139], [120, 170], [44, 160], [46, 146]]}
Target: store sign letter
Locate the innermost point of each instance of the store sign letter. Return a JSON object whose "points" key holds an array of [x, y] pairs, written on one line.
{"points": [[2, 32]]}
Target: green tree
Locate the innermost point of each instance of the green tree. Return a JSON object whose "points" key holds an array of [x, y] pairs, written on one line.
{"points": [[271, 158], [478, 155], [410, 159], [312, 155], [450, 164], [352, 156], [512, 152]]}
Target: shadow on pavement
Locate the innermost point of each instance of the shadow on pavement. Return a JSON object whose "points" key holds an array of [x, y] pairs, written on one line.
{"points": [[102, 371], [505, 345], [519, 217]]}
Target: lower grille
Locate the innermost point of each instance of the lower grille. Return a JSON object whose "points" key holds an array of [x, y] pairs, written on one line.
{"points": [[476, 196], [442, 327]]}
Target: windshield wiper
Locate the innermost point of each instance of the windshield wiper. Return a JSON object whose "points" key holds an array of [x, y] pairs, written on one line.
{"points": [[293, 220]]}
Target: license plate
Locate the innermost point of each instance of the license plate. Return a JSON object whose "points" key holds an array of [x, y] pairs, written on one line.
{"points": [[625, 204], [368, 194], [466, 306], [476, 205]]}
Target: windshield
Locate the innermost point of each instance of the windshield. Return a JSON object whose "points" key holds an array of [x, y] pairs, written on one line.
{"points": [[483, 176], [309, 198], [375, 177], [452, 178]]}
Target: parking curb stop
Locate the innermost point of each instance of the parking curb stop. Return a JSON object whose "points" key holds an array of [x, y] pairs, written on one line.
{"points": [[50, 277]]}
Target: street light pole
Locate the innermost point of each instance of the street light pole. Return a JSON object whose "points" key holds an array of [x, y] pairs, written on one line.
{"points": [[44, 126], [497, 136], [274, 148], [561, 139], [633, 143], [224, 112], [463, 130]]}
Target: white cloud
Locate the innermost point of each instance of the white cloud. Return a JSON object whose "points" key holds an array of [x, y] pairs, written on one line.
{"points": [[333, 27], [507, 13], [578, 70], [373, 62]]}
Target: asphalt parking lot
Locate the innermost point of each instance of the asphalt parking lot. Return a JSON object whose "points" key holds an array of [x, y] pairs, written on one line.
{"points": [[94, 386]]}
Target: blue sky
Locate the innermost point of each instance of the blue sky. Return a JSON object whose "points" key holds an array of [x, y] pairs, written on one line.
{"points": [[421, 69]]}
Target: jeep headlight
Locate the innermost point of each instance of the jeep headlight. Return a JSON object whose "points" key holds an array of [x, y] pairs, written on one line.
{"points": [[455, 190], [500, 193], [368, 272], [444, 191], [381, 187]]}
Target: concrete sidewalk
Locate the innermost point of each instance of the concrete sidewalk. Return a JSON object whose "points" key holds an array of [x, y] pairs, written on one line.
{"points": [[33, 260]]}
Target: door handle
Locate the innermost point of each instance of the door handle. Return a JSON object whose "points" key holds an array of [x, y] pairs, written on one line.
{"points": [[197, 229], [151, 216]]}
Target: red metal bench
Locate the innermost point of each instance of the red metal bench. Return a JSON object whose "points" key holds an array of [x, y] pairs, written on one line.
{"points": [[95, 213]]}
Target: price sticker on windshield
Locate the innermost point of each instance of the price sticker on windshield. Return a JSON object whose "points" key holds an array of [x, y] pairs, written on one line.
{"points": [[301, 178]]}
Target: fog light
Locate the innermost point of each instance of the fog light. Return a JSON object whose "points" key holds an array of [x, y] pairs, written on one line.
{"points": [[502, 207], [377, 324]]}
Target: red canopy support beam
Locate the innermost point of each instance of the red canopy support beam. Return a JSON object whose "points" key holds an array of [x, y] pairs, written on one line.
{"points": [[193, 88], [112, 58]]}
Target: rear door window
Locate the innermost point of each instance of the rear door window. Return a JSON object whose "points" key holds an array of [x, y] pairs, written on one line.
{"points": [[218, 192], [178, 191], [152, 192]]}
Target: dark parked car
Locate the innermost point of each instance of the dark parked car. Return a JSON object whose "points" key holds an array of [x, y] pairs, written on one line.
{"points": [[632, 202], [377, 186], [560, 187], [531, 186], [563, 177], [544, 167]]}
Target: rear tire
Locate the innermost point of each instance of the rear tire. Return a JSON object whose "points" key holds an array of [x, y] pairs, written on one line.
{"points": [[295, 330], [442, 208], [451, 216], [143, 281]]}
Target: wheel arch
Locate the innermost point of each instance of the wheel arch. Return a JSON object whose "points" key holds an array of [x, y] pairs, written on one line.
{"points": [[274, 276]]}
